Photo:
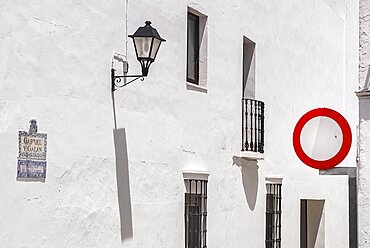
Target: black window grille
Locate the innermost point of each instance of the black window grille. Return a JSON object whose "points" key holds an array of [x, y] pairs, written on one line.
{"points": [[196, 214], [192, 64], [273, 216], [253, 125]]}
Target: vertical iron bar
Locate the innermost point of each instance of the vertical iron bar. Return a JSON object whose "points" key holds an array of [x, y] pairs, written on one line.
{"points": [[243, 126], [190, 190], [186, 221], [273, 215], [259, 127], [251, 119], [255, 126], [197, 214], [201, 212], [262, 126], [280, 212], [187, 215], [247, 143], [190, 211], [205, 213]]}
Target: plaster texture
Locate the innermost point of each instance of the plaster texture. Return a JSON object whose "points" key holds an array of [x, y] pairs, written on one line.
{"points": [[364, 127], [120, 183], [364, 172]]}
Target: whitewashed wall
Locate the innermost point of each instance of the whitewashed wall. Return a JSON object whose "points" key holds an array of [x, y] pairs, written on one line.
{"points": [[55, 66], [364, 127], [363, 183]]}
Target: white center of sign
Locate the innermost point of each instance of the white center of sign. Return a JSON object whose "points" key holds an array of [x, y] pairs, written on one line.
{"points": [[321, 138]]}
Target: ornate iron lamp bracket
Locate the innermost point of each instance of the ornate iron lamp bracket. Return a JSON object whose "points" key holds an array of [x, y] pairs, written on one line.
{"points": [[117, 80]]}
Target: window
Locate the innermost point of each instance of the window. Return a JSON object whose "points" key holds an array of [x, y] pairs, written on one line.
{"points": [[312, 223], [273, 216], [253, 111], [249, 68], [197, 45], [196, 213], [192, 71]]}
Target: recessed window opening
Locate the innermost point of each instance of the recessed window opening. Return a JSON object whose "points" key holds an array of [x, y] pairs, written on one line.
{"points": [[312, 223], [252, 109], [273, 216], [197, 45], [249, 68], [195, 213]]}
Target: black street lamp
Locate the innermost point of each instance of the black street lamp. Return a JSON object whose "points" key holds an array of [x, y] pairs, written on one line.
{"points": [[147, 42]]}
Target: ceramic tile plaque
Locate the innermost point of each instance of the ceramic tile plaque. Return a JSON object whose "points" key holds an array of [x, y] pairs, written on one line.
{"points": [[31, 169], [32, 148]]}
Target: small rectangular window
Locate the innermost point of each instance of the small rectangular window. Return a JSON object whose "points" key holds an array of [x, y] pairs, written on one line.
{"points": [[273, 216], [192, 71], [196, 213]]}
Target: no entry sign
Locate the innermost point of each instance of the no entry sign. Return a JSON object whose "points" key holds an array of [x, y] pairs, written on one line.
{"points": [[345, 144]]}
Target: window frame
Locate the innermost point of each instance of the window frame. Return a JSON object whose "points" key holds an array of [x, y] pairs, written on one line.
{"points": [[195, 18], [273, 215], [195, 213]]}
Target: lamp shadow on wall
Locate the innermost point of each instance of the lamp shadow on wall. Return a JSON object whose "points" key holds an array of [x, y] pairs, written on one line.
{"points": [[249, 171], [123, 178], [123, 183]]}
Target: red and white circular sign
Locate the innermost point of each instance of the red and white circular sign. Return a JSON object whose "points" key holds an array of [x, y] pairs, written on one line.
{"points": [[322, 138]]}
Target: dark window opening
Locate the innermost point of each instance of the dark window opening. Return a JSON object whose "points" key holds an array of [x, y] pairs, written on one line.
{"points": [[303, 223], [312, 223], [192, 65], [273, 216], [196, 214]]}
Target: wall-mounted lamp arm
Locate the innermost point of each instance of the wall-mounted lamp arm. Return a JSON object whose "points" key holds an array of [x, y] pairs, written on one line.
{"points": [[116, 80]]}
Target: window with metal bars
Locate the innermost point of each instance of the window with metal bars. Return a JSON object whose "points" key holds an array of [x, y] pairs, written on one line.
{"points": [[273, 216], [196, 213], [192, 65]]}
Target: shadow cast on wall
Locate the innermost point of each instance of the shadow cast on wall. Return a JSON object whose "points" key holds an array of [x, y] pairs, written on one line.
{"points": [[123, 183], [249, 171]]}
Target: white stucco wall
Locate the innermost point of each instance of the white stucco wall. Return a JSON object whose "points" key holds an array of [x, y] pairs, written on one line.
{"points": [[55, 66], [363, 174], [364, 128]]}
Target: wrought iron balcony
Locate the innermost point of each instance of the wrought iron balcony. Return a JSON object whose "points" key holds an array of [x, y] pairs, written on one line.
{"points": [[253, 125]]}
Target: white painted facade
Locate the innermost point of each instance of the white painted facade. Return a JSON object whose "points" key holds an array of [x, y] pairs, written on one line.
{"points": [[364, 128], [55, 67]]}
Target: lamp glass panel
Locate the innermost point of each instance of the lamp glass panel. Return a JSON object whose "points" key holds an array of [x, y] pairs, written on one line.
{"points": [[143, 46], [155, 48]]}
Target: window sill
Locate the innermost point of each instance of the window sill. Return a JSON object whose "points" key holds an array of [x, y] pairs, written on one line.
{"points": [[248, 155], [195, 87]]}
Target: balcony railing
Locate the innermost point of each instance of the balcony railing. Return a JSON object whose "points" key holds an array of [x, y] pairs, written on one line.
{"points": [[253, 125]]}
